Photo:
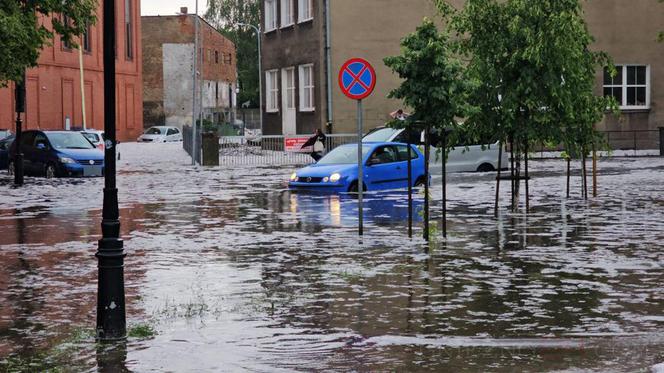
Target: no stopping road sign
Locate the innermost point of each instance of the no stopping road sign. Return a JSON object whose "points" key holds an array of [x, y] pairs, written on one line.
{"points": [[357, 78]]}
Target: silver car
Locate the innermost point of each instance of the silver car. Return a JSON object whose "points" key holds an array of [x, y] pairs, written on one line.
{"points": [[462, 158]]}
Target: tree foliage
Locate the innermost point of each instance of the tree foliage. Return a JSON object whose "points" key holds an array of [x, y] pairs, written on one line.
{"points": [[23, 33], [534, 70], [226, 15], [432, 78]]}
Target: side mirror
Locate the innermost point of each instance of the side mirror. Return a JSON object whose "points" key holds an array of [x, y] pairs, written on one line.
{"points": [[372, 161]]}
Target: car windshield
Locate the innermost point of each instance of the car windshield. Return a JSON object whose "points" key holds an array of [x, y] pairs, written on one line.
{"points": [[155, 131], [91, 136], [346, 154], [73, 140], [381, 135]]}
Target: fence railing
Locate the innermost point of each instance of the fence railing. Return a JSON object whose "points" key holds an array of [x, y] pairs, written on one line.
{"points": [[270, 150], [634, 142]]}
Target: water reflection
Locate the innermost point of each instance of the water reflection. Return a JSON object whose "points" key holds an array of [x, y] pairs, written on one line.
{"points": [[387, 208]]}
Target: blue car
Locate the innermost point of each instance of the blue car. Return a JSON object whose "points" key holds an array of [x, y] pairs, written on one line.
{"points": [[385, 167], [57, 154]]}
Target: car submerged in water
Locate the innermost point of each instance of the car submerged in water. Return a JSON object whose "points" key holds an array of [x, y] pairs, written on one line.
{"points": [[57, 154], [385, 167]]}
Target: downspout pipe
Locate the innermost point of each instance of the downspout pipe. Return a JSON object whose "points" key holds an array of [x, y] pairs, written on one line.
{"points": [[328, 65]]}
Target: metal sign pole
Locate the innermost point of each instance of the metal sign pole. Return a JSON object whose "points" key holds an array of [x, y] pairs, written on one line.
{"points": [[360, 168], [410, 186]]}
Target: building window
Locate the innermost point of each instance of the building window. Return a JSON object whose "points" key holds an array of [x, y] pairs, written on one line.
{"points": [[305, 10], [287, 16], [216, 56], [272, 89], [630, 86], [87, 41], [270, 15], [307, 88], [129, 44], [290, 87], [216, 90], [228, 59], [65, 44]]}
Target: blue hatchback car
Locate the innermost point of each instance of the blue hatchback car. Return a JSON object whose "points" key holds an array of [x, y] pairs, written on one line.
{"points": [[57, 154], [385, 167]]}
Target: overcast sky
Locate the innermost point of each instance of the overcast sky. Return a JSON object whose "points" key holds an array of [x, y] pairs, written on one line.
{"points": [[170, 7]]}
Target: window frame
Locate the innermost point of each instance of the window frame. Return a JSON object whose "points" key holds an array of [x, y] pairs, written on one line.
{"points": [[272, 92], [624, 86], [274, 21], [282, 17], [300, 13], [129, 30], [304, 86], [290, 90]]}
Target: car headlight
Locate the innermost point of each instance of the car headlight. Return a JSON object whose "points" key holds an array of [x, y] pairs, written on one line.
{"points": [[293, 177], [335, 177], [66, 160]]}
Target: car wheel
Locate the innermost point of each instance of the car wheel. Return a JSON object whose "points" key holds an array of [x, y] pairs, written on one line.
{"points": [[420, 182], [50, 171], [353, 187], [485, 167], [11, 168]]}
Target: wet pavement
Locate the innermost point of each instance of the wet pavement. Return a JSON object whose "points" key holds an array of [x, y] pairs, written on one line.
{"points": [[235, 273]]}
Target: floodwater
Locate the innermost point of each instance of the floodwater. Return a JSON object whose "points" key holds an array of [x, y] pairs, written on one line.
{"points": [[235, 273]]}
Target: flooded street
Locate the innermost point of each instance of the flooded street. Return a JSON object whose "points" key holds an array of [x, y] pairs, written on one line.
{"points": [[235, 273]]}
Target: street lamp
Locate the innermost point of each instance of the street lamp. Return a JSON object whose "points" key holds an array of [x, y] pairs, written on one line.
{"points": [[111, 321], [260, 70]]}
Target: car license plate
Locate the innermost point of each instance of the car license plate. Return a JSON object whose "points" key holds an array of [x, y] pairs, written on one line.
{"points": [[91, 170]]}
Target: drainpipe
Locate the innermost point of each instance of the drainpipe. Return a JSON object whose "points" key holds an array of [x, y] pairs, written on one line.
{"points": [[80, 63], [328, 66]]}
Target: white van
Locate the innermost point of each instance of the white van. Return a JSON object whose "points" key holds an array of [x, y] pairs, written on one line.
{"points": [[468, 158]]}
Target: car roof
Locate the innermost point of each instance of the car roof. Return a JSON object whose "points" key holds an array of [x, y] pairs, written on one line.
{"points": [[377, 143]]}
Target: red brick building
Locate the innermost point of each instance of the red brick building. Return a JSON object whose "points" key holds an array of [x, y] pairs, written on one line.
{"points": [[53, 88]]}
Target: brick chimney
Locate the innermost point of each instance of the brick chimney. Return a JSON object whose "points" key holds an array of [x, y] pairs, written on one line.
{"points": [[183, 10]]}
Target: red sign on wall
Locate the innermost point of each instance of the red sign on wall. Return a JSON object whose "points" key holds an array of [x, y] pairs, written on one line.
{"points": [[294, 145]]}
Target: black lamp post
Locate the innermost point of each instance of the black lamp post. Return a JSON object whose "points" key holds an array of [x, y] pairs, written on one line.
{"points": [[20, 108], [111, 322]]}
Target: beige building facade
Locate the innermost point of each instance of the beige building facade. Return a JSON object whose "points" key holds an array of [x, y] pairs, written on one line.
{"points": [[372, 29]]}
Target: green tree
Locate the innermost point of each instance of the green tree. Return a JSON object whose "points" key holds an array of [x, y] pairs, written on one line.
{"points": [[432, 79], [23, 34], [227, 14], [535, 71]]}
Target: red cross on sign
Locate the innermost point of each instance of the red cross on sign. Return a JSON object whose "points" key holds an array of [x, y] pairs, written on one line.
{"points": [[357, 78]]}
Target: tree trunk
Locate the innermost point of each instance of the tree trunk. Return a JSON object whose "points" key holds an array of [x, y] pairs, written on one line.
{"points": [[525, 157], [517, 178], [569, 161], [512, 170], [500, 165], [585, 175]]}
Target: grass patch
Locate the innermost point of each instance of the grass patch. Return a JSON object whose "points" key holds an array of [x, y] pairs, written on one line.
{"points": [[142, 331]]}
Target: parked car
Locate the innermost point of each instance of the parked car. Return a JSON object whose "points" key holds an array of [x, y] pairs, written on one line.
{"points": [[96, 137], [161, 134], [462, 158], [385, 167], [56, 154], [4, 133], [4, 151]]}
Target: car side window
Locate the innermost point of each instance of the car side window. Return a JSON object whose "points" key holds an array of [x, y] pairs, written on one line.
{"points": [[171, 132], [28, 139], [403, 153], [40, 139], [384, 154], [403, 137]]}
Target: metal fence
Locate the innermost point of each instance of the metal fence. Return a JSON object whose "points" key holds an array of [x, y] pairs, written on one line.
{"points": [[186, 141], [634, 142], [270, 150]]}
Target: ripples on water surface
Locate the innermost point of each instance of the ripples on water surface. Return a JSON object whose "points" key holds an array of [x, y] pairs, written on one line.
{"points": [[236, 273]]}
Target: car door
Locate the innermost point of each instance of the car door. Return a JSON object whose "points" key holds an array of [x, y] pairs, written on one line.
{"points": [[417, 168], [383, 169], [40, 153], [171, 135], [27, 148]]}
